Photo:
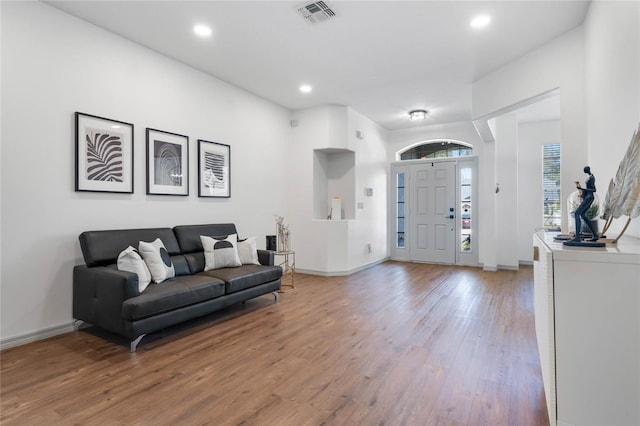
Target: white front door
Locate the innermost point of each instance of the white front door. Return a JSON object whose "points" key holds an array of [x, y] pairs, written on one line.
{"points": [[432, 212]]}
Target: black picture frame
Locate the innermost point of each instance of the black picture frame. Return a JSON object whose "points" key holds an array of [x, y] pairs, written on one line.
{"points": [[167, 163], [214, 169], [104, 154]]}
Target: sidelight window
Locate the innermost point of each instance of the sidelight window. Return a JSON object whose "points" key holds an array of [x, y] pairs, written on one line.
{"points": [[400, 210], [466, 211]]}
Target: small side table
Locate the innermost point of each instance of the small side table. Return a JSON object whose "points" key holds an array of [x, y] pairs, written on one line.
{"points": [[288, 266]]}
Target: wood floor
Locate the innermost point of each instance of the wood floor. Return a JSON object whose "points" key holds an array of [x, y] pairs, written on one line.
{"points": [[396, 344]]}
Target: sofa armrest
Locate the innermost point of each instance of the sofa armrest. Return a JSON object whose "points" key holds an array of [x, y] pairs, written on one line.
{"points": [[266, 257], [98, 295]]}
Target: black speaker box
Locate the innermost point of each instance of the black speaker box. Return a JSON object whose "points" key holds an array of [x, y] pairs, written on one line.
{"points": [[271, 242]]}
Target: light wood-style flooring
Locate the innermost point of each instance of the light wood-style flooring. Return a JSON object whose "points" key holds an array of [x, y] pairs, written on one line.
{"points": [[396, 344]]}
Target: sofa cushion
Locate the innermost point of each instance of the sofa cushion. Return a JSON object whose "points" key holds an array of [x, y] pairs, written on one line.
{"points": [[158, 260], [101, 248], [181, 265], [245, 276], [189, 235], [195, 262], [220, 252], [172, 294]]}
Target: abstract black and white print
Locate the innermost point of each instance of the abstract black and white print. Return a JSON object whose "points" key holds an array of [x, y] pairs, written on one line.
{"points": [[167, 163], [104, 156], [214, 169], [214, 176]]}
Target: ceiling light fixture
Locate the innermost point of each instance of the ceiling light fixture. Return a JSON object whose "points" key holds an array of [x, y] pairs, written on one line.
{"points": [[305, 88], [418, 114], [202, 30], [480, 21]]}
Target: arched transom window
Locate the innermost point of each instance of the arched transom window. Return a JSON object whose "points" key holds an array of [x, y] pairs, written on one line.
{"points": [[440, 148]]}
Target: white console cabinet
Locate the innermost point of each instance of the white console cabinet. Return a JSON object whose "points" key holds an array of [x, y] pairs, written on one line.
{"points": [[587, 317]]}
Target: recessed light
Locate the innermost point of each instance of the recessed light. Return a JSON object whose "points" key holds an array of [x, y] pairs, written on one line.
{"points": [[480, 21], [115, 126], [305, 88], [202, 30]]}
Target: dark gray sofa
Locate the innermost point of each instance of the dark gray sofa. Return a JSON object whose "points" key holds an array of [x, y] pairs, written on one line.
{"points": [[109, 299]]}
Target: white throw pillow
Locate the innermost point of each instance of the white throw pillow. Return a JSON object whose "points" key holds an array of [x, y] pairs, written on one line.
{"points": [[158, 261], [131, 261], [248, 252], [220, 252]]}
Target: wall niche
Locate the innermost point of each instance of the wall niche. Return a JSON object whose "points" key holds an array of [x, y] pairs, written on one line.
{"points": [[334, 176]]}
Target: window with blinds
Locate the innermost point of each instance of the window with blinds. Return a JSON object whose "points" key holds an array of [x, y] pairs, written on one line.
{"points": [[551, 186]]}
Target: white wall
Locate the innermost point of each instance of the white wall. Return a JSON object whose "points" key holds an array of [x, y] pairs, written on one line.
{"points": [[487, 232], [372, 168], [506, 199], [531, 137], [312, 131], [597, 69], [612, 31], [1, 181], [558, 64], [320, 244], [54, 64]]}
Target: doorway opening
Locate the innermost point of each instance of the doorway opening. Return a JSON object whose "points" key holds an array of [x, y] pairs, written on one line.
{"points": [[432, 211]]}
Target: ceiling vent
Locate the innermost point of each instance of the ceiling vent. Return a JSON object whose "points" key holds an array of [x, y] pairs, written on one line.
{"points": [[316, 12]]}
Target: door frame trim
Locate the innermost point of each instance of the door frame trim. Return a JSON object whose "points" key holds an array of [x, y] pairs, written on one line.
{"points": [[403, 254]]}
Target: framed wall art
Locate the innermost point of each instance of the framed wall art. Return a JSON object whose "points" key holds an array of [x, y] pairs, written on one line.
{"points": [[167, 163], [104, 154], [214, 169]]}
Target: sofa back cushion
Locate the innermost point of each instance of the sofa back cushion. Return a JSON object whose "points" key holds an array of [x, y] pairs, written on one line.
{"points": [[195, 261], [101, 248], [189, 235]]}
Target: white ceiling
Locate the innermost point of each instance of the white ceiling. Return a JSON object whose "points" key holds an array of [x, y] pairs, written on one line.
{"points": [[382, 58]]}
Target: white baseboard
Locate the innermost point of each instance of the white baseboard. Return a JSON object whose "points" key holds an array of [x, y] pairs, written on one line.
{"points": [[33, 336], [501, 268], [341, 273], [508, 267]]}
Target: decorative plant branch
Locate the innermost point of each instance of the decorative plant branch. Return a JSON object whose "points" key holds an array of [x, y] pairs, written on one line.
{"points": [[623, 194], [284, 235]]}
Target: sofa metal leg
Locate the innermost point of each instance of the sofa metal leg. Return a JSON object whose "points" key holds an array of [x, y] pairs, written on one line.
{"points": [[134, 343], [77, 324], [275, 295]]}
